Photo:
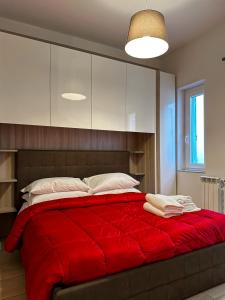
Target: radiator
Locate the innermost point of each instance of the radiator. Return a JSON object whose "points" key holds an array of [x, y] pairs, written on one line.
{"points": [[213, 193]]}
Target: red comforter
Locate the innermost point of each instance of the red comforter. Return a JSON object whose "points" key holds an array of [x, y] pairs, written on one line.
{"points": [[70, 241]]}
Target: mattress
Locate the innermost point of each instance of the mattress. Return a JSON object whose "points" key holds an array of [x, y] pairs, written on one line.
{"points": [[72, 241]]}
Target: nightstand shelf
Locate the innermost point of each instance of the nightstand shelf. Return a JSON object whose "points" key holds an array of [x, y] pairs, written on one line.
{"points": [[7, 181], [137, 152], [8, 151], [7, 210], [141, 174]]}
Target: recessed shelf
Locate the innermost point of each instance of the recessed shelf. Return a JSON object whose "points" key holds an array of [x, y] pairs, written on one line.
{"points": [[8, 150], [137, 152], [138, 174], [8, 180], [6, 210]]}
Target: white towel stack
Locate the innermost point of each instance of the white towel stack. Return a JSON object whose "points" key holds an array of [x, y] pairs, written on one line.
{"points": [[187, 202], [169, 206]]}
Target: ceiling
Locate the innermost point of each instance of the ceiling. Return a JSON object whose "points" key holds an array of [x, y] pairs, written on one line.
{"points": [[107, 21]]}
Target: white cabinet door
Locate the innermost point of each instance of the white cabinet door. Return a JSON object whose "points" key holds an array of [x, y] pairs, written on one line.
{"points": [[167, 134], [24, 81], [141, 99], [70, 73], [108, 94]]}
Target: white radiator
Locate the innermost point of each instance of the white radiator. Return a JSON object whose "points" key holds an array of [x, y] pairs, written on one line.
{"points": [[213, 193]]}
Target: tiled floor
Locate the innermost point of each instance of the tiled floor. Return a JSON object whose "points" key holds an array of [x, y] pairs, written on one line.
{"points": [[12, 281]]}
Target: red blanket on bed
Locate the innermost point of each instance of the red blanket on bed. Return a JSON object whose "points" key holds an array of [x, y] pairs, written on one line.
{"points": [[70, 241]]}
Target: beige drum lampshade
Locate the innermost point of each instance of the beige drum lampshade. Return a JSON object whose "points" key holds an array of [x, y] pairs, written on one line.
{"points": [[147, 37]]}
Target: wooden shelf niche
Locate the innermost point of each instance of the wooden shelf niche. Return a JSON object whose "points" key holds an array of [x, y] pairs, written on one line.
{"points": [[142, 160], [7, 180], [137, 163], [137, 166]]}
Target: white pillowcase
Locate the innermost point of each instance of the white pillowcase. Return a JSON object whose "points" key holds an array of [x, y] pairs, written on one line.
{"points": [[33, 199], [110, 181], [119, 191], [24, 206], [55, 184]]}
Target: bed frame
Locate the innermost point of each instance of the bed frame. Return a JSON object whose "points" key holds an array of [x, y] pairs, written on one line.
{"points": [[173, 279]]}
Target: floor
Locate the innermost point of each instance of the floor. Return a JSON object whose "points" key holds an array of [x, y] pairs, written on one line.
{"points": [[11, 277], [216, 293], [12, 281]]}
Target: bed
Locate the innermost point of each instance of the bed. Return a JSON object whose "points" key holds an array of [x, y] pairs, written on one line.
{"points": [[147, 257]]}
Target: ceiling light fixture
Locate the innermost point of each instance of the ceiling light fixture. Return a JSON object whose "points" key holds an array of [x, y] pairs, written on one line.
{"points": [[147, 36], [73, 96]]}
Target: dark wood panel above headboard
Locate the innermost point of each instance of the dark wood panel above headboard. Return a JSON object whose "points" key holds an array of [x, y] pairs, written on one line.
{"points": [[58, 138]]}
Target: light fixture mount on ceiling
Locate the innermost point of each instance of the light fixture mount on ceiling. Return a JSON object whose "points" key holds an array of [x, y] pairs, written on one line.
{"points": [[147, 36]]}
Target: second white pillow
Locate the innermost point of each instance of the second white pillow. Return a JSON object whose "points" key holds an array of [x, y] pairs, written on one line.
{"points": [[110, 181], [119, 191]]}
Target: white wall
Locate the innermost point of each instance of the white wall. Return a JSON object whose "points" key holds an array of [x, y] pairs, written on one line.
{"points": [[190, 184], [72, 41], [201, 60], [167, 160]]}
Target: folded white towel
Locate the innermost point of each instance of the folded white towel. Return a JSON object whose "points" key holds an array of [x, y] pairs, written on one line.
{"points": [[154, 210], [178, 203], [164, 203], [172, 198], [188, 204]]}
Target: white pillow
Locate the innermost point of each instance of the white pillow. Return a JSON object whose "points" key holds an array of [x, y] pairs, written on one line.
{"points": [[55, 184], [110, 181], [119, 191], [33, 199]]}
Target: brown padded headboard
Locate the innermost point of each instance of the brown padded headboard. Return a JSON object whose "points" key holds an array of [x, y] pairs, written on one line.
{"points": [[35, 164]]}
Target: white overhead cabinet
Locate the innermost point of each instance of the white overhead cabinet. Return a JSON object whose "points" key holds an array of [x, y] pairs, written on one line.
{"points": [[70, 74], [108, 94], [24, 81], [141, 99], [43, 84]]}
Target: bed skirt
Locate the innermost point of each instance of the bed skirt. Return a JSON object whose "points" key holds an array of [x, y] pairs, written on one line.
{"points": [[173, 279]]}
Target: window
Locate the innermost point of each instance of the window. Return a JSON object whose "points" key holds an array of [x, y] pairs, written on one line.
{"points": [[194, 128]]}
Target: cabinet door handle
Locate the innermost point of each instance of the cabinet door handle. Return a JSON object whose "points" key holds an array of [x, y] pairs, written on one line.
{"points": [[186, 139]]}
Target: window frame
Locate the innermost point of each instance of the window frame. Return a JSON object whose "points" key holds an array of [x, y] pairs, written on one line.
{"points": [[188, 93]]}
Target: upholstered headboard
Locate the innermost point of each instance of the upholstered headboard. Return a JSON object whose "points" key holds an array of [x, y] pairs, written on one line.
{"points": [[35, 164]]}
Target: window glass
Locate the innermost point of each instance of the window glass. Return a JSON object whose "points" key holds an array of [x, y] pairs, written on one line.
{"points": [[192, 113], [197, 129]]}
